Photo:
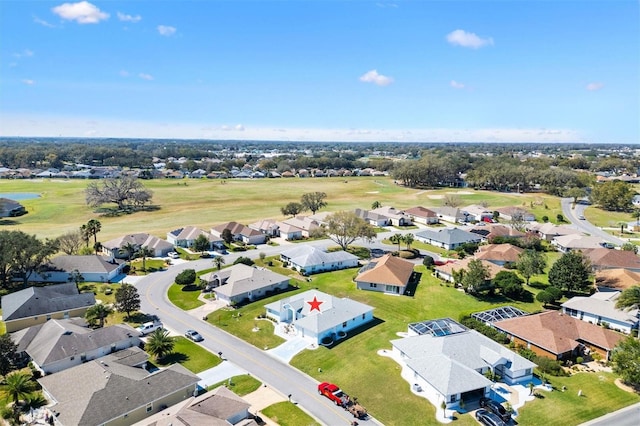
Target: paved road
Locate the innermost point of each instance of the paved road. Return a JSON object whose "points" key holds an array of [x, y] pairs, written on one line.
{"points": [[276, 374], [628, 416], [572, 213]]}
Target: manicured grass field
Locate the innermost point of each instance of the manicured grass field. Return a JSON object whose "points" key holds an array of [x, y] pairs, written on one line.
{"points": [[599, 396], [205, 203], [288, 414], [184, 297], [603, 218], [191, 355], [3, 327], [240, 385]]}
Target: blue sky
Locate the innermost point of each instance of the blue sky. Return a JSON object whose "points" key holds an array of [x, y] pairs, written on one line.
{"points": [[521, 71]]}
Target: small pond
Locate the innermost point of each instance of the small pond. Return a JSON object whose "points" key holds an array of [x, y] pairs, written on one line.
{"points": [[17, 196]]}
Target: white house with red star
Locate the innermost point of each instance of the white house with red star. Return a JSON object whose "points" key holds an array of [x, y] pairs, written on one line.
{"points": [[320, 317]]}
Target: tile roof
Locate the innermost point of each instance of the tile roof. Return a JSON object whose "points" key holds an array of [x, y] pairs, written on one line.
{"points": [[558, 333], [35, 301], [387, 269]]}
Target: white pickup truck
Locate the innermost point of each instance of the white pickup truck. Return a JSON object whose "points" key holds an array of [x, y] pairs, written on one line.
{"points": [[149, 327]]}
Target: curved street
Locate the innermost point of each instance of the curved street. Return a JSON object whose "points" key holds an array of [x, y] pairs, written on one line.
{"points": [[271, 371], [572, 213]]}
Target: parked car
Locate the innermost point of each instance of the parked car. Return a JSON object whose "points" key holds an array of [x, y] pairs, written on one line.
{"points": [[173, 255], [193, 335], [149, 327], [496, 408], [488, 419]]}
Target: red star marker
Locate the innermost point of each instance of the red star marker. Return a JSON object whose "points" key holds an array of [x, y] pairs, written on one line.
{"points": [[315, 304]]}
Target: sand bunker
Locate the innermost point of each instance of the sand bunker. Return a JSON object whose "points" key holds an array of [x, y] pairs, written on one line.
{"points": [[435, 197]]}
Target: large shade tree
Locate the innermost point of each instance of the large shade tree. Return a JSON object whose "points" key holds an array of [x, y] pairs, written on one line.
{"points": [[613, 195], [531, 262], [127, 299], [126, 192], [8, 350], [345, 227], [22, 254], [313, 201], [626, 361], [571, 272]]}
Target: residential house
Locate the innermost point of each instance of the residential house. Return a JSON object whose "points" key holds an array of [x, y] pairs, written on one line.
{"points": [[511, 212], [489, 231], [396, 217], [307, 225], [91, 267], [11, 208], [449, 214], [289, 232], [116, 248], [603, 258], [312, 260], [447, 238], [548, 231], [59, 344], [219, 407], [113, 393], [268, 227], [559, 336], [372, 218], [476, 212], [422, 215], [600, 309], [446, 271], [319, 317], [618, 278], [500, 254], [186, 237], [240, 282], [446, 362], [36, 305], [573, 242], [240, 233], [387, 274]]}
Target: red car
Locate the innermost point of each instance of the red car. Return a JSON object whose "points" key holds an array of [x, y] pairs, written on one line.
{"points": [[332, 392]]}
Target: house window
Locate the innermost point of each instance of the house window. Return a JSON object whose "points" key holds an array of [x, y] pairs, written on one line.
{"points": [[48, 317], [372, 285], [527, 371], [72, 358], [363, 315], [66, 315], [344, 324], [149, 407], [453, 398]]}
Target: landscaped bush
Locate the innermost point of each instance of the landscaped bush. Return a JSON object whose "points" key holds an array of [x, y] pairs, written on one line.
{"points": [[407, 254], [245, 260], [428, 262], [236, 249], [186, 277], [549, 366], [480, 327]]}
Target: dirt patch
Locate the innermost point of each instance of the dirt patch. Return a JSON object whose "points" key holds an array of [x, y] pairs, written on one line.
{"points": [[622, 386], [435, 197]]}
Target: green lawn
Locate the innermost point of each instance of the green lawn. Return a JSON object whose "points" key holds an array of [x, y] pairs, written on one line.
{"points": [[3, 327], [607, 219], [240, 385], [599, 396], [288, 414], [184, 297], [191, 355], [152, 265]]}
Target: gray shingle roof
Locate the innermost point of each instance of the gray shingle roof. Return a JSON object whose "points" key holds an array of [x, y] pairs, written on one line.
{"points": [[35, 301], [449, 236], [307, 256], [604, 308], [109, 390], [84, 264], [245, 278], [448, 376]]}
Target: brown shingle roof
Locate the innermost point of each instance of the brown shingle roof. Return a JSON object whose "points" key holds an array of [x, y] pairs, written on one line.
{"points": [[617, 278], [558, 333], [607, 258], [387, 270], [420, 211], [501, 252], [464, 264]]}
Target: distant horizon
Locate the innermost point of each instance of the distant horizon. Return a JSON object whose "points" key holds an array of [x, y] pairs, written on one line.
{"points": [[527, 71]]}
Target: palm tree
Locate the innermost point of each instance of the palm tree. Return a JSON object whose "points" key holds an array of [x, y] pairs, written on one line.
{"points": [[98, 312], [375, 205], [396, 239], [145, 252], [160, 344], [93, 227], [18, 385], [622, 226], [218, 261], [408, 240], [629, 298], [131, 250]]}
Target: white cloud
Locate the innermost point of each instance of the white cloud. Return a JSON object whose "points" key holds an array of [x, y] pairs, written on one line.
{"points": [[129, 18], [43, 22], [124, 73], [465, 39], [456, 84], [82, 12], [26, 53], [28, 82], [592, 87], [166, 30], [144, 76], [375, 78], [239, 127]]}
